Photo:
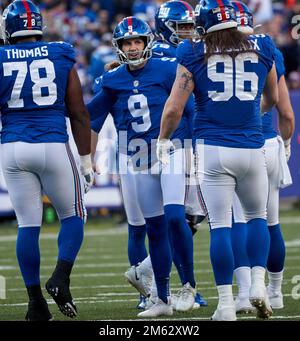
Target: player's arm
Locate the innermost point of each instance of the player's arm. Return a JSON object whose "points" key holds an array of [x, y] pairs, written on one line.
{"points": [[270, 92], [286, 116], [80, 125], [180, 94], [94, 142], [101, 104], [79, 116], [285, 111]]}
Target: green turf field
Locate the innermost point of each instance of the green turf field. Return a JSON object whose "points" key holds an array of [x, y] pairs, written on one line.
{"points": [[98, 285]]}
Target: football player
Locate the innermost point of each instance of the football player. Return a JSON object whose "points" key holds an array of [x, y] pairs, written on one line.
{"points": [[142, 84], [38, 84], [228, 73], [276, 161], [140, 274], [174, 22]]}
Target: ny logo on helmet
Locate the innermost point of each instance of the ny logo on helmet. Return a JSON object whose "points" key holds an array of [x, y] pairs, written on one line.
{"points": [[163, 12]]}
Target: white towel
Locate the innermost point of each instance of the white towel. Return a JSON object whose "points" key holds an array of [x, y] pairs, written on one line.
{"points": [[285, 178]]}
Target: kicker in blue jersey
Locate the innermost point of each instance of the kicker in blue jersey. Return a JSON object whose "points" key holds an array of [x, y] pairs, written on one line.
{"points": [[140, 96]]}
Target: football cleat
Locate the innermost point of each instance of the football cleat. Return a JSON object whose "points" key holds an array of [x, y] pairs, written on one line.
{"points": [[243, 306], [142, 303], [174, 300], [140, 278], [151, 300], [194, 222], [276, 299], [259, 299], [186, 298], [224, 314], [160, 308], [59, 290], [199, 301], [38, 311]]}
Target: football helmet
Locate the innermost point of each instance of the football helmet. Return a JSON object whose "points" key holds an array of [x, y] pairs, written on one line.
{"points": [[214, 15], [21, 19], [169, 18], [244, 17], [128, 28]]}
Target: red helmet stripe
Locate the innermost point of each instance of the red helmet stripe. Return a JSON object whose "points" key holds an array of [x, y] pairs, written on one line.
{"points": [[221, 5], [129, 24], [188, 7], [241, 10], [28, 12]]}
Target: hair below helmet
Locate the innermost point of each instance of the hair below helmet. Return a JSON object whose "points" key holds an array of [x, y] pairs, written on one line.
{"points": [[214, 15], [129, 28], [22, 19], [170, 16]]}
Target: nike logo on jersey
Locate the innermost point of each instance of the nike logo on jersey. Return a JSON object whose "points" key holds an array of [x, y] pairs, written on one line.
{"points": [[97, 81], [159, 54]]}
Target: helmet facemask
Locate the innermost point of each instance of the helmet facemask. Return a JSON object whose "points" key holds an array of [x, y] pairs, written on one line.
{"points": [[179, 33], [145, 54]]}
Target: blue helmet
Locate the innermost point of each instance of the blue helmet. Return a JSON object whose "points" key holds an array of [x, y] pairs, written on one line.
{"points": [[170, 16], [128, 28], [214, 15], [244, 17], [21, 19]]}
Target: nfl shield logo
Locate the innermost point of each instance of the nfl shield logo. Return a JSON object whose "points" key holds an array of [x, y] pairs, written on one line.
{"points": [[136, 84]]}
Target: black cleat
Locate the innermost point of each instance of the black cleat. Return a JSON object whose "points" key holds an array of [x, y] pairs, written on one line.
{"points": [[194, 221], [59, 290], [38, 311]]}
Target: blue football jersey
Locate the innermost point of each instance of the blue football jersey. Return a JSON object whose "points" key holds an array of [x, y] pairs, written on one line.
{"points": [[228, 91], [34, 79], [115, 111], [162, 49], [141, 96], [267, 120]]}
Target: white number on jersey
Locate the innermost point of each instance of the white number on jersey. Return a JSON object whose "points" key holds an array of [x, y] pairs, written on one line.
{"points": [[229, 77], [38, 82], [141, 102]]}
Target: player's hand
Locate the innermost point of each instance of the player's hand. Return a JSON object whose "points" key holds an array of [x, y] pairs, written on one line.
{"points": [[163, 148], [87, 171], [287, 147]]}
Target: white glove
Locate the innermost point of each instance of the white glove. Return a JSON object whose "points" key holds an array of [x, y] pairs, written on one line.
{"points": [[287, 147], [163, 148], [86, 170]]}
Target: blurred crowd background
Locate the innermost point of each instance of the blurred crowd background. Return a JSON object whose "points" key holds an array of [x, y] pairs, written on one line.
{"points": [[88, 25]]}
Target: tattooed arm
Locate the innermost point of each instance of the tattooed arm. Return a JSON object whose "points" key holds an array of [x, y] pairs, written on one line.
{"points": [[181, 91]]}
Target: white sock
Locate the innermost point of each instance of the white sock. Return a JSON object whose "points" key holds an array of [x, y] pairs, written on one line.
{"points": [[258, 276], [146, 264], [225, 296], [243, 281], [275, 281]]}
